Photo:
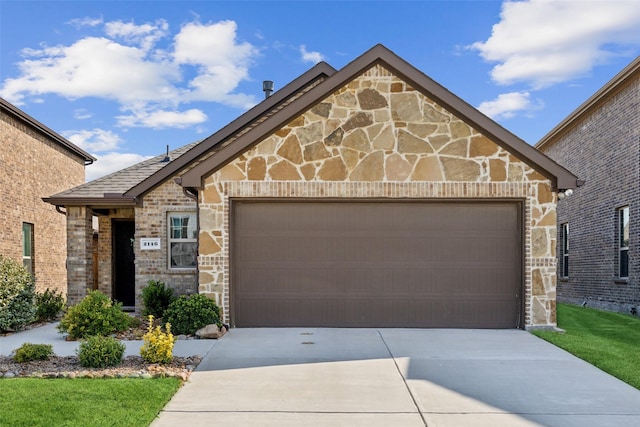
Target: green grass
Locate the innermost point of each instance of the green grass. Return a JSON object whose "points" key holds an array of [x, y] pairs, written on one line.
{"points": [[610, 341], [83, 402]]}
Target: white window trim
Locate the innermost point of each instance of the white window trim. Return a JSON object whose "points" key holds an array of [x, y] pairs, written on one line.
{"points": [[31, 244], [171, 240]]}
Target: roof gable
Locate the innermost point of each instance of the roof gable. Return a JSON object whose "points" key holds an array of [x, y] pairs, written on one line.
{"points": [[8, 108], [273, 102], [628, 74], [379, 54]]}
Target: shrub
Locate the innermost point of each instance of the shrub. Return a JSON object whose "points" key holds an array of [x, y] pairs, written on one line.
{"points": [[94, 315], [100, 352], [188, 314], [158, 345], [156, 297], [17, 293], [28, 352], [48, 305]]}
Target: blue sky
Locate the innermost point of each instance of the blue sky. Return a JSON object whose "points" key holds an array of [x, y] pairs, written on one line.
{"points": [[124, 79]]}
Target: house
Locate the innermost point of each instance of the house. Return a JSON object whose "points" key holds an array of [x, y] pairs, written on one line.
{"points": [[35, 162], [598, 249], [368, 196]]}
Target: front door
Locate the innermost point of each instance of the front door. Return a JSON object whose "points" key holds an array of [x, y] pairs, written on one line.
{"points": [[124, 272]]}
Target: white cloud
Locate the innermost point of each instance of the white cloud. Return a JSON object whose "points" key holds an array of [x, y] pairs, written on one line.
{"points": [[162, 119], [92, 66], [507, 105], [94, 141], [544, 42], [138, 67], [112, 162], [146, 35], [222, 63], [312, 57], [81, 114], [85, 22]]}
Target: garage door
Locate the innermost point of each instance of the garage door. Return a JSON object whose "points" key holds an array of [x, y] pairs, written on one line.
{"points": [[376, 264]]}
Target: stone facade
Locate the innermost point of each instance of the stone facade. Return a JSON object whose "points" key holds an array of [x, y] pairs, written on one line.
{"points": [[33, 166], [378, 137], [602, 146]]}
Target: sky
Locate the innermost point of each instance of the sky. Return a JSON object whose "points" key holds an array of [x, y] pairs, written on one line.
{"points": [[124, 79]]}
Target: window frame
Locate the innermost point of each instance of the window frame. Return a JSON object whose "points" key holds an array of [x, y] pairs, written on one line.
{"points": [[28, 258], [172, 240], [622, 241], [564, 250]]}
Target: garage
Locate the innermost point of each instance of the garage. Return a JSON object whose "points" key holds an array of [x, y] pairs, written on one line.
{"points": [[337, 263]]}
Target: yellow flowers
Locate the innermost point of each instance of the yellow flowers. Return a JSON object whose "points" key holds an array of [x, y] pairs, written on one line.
{"points": [[158, 345]]}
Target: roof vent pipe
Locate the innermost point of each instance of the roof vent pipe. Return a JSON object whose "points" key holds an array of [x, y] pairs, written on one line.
{"points": [[166, 159], [267, 87]]}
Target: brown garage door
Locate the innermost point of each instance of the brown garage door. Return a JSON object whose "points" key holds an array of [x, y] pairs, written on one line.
{"points": [[376, 264]]}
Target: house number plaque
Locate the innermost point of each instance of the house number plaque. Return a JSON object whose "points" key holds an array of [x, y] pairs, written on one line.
{"points": [[147, 244]]}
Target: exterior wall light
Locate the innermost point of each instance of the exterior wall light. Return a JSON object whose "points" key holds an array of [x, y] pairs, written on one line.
{"points": [[566, 193]]}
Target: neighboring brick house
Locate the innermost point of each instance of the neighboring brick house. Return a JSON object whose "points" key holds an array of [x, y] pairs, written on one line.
{"points": [[369, 196], [35, 162], [598, 248]]}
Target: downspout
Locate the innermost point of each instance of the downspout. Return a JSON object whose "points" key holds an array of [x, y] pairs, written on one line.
{"points": [[59, 210]]}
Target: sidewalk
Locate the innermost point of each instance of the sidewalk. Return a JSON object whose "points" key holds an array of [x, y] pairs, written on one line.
{"points": [[48, 334]]}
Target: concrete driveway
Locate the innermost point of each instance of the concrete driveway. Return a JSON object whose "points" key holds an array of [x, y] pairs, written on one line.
{"points": [[396, 377]]}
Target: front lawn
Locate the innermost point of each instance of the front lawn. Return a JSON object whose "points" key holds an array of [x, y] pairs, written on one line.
{"points": [[610, 341], [83, 402]]}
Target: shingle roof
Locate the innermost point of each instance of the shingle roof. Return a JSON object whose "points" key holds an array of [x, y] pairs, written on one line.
{"points": [[113, 186]]}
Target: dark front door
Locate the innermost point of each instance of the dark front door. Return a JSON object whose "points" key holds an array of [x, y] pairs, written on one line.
{"points": [[124, 272]]}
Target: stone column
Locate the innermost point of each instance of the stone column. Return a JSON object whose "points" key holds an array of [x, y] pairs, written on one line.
{"points": [[79, 253]]}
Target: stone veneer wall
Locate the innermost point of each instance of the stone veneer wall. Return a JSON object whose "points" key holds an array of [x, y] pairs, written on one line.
{"points": [[379, 138], [33, 166]]}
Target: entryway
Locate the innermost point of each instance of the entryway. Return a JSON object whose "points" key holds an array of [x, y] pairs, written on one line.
{"points": [[124, 271]]}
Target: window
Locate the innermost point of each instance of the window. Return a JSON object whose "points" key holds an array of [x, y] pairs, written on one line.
{"points": [[183, 240], [564, 250], [27, 247], [623, 242]]}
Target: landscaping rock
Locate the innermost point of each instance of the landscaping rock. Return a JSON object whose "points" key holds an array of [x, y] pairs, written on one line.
{"points": [[210, 332]]}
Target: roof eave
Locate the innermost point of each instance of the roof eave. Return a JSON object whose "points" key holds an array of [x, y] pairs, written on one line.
{"points": [[107, 201]]}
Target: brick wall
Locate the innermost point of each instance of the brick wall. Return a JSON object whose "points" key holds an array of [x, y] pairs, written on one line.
{"points": [[151, 222], [32, 167], [604, 149]]}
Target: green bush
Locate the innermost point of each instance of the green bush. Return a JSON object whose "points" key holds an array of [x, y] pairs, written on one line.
{"points": [[48, 305], [188, 314], [28, 352], [156, 297], [100, 352], [17, 293], [94, 315]]}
